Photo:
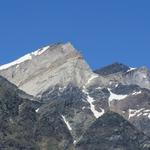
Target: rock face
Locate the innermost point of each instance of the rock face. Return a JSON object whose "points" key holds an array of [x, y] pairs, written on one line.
{"points": [[111, 69], [57, 64], [126, 75], [61, 124], [70, 107], [21, 128], [113, 133], [127, 94]]}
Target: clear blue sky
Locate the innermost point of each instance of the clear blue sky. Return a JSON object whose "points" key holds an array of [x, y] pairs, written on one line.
{"points": [[105, 31]]}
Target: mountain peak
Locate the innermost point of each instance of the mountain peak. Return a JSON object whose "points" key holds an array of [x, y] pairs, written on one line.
{"points": [[38, 52], [113, 68], [57, 64]]}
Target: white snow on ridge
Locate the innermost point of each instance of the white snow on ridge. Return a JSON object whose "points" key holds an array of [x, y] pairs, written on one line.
{"points": [[16, 62], [131, 69], [92, 78], [40, 51], [114, 96], [66, 122], [24, 58]]}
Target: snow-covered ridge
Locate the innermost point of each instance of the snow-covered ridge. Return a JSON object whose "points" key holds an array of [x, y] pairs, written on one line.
{"points": [[16, 62], [131, 69], [92, 78], [40, 51], [24, 58]]}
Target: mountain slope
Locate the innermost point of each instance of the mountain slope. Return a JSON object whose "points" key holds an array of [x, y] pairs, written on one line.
{"points": [[68, 104], [48, 127], [112, 132], [21, 128]]}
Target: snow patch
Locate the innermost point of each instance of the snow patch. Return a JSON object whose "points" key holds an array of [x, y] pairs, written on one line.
{"points": [[17, 66], [137, 93], [83, 107], [145, 114], [110, 83], [66, 122], [96, 113], [134, 112], [74, 142], [140, 112], [91, 100], [37, 110], [114, 96], [131, 69], [99, 88], [116, 85], [147, 110], [61, 89]]}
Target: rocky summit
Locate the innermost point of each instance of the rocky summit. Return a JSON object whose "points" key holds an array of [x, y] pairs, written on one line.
{"points": [[58, 64], [51, 99]]}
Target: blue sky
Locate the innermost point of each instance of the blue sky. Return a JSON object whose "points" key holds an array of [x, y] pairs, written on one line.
{"points": [[105, 31]]}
